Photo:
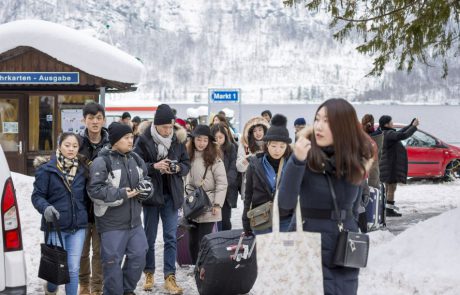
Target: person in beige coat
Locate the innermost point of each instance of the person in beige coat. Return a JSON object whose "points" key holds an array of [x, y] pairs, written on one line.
{"points": [[251, 143], [206, 159]]}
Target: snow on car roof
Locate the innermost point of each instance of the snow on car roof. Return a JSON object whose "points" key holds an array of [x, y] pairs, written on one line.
{"points": [[72, 47]]}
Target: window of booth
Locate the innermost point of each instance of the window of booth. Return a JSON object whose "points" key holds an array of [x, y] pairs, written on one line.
{"points": [[70, 111], [42, 123], [9, 125]]}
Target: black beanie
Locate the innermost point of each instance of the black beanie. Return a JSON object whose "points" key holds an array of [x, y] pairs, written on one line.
{"points": [[278, 130], [164, 115], [118, 130], [203, 130], [385, 119]]}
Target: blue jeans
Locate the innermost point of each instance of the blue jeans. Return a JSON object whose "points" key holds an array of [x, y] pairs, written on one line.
{"points": [[284, 226], [169, 220], [73, 244]]}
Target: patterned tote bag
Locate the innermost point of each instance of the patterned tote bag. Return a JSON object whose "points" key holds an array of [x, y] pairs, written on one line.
{"points": [[288, 262]]}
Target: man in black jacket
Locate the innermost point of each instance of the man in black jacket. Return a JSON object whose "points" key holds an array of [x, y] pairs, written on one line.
{"points": [[393, 166], [92, 139], [164, 152]]}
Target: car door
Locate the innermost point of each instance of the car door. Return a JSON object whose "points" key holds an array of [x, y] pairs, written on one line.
{"points": [[425, 155]]}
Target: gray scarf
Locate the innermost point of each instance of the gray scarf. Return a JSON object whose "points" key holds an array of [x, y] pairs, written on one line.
{"points": [[163, 143]]}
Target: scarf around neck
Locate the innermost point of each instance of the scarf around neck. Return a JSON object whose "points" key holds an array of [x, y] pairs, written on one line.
{"points": [[163, 143], [68, 166]]}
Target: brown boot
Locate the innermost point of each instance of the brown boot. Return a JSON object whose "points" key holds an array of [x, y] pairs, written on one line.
{"points": [[84, 290], [171, 285], [149, 280]]}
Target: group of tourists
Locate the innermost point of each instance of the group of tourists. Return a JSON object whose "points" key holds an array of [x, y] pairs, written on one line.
{"points": [[98, 183]]}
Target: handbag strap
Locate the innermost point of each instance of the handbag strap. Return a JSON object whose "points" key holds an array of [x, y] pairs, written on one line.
{"points": [[334, 201], [204, 176], [58, 230]]}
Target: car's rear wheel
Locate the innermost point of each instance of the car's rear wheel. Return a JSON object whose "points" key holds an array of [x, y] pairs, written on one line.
{"points": [[452, 170]]}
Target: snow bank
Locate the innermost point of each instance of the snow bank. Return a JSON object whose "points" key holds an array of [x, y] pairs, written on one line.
{"points": [[72, 47], [424, 259]]}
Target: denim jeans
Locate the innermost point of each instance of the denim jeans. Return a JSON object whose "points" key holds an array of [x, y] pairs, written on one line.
{"points": [[73, 244], [284, 226], [169, 220]]}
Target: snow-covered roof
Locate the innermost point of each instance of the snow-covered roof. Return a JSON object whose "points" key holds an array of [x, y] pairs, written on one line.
{"points": [[72, 47]]}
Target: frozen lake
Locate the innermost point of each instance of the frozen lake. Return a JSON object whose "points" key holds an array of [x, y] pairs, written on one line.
{"points": [[441, 121]]}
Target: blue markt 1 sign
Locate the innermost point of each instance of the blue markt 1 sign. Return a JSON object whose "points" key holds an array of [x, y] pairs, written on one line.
{"points": [[55, 78], [224, 95]]}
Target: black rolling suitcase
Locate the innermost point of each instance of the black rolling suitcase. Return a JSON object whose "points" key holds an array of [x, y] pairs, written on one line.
{"points": [[226, 263]]}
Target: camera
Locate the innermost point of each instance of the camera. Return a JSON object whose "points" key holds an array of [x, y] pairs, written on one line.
{"points": [[173, 166]]}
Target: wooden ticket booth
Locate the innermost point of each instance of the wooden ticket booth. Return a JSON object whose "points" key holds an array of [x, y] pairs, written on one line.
{"points": [[42, 96]]}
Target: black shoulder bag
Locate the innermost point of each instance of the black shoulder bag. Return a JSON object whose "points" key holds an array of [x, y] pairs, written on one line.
{"points": [[352, 249], [197, 202], [53, 261]]}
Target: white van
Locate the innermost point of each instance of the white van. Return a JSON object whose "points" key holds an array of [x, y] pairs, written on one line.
{"points": [[12, 261]]}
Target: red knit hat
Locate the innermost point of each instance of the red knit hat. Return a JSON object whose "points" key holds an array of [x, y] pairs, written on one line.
{"points": [[180, 122]]}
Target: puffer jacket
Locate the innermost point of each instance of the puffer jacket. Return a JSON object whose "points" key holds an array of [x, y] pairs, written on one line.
{"points": [[147, 149], [113, 209], [374, 172], [394, 163], [215, 185], [50, 188]]}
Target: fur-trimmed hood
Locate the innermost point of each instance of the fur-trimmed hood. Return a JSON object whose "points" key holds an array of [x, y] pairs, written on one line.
{"points": [[40, 160], [307, 132], [251, 123]]}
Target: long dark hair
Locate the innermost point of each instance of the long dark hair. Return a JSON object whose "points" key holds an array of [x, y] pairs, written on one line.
{"points": [[83, 161], [210, 154], [227, 146], [252, 142], [351, 145]]}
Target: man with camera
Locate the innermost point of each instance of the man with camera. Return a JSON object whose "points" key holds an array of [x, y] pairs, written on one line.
{"points": [[162, 147]]}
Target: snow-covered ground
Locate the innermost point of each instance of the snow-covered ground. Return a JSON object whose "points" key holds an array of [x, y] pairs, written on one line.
{"points": [[422, 259]]}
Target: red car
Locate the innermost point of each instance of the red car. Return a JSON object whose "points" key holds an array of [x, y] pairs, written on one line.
{"points": [[430, 157]]}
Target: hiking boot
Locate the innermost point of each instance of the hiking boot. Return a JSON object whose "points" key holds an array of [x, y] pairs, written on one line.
{"points": [[84, 290], [148, 285], [392, 213], [171, 285]]}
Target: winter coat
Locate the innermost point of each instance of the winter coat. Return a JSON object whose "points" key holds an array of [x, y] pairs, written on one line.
{"points": [[374, 172], [147, 149], [215, 185], [393, 166], [90, 151], [50, 188], [243, 149], [113, 209], [314, 193], [258, 190], [232, 175]]}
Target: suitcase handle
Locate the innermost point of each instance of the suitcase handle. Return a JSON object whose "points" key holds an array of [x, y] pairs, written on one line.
{"points": [[247, 252]]}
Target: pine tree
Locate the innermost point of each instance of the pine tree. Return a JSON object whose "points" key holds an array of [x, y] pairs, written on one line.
{"points": [[407, 31]]}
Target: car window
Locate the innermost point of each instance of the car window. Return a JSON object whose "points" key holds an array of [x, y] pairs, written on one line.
{"points": [[420, 139]]}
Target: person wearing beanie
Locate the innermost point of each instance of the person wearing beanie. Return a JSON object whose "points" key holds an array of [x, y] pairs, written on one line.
{"points": [[299, 124], [126, 118], [162, 147], [394, 164], [118, 184], [267, 115], [207, 169], [264, 172], [164, 115]]}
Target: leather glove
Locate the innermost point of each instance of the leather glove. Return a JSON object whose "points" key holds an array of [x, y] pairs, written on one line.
{"points": [[145, 189], [49, 212]]}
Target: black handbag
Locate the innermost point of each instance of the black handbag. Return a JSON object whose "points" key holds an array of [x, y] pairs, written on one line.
{"points": [[352, 249], [53, 261], [197, 202]]}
